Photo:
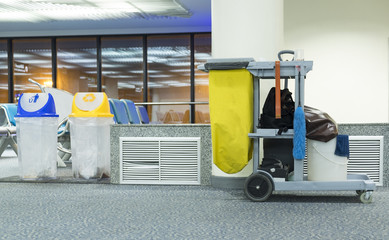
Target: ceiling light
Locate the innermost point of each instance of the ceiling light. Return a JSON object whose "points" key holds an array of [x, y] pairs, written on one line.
{"points": [[59, 10]]}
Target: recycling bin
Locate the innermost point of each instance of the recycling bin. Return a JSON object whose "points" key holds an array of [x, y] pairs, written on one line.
{"points": [[90, 122], [36, 131]]}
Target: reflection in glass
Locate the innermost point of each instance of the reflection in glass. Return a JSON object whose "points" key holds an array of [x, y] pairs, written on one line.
{"points": [[170, 114], [3, 72], [202, 46], [122, 67], [168, 59], [77, 64], [32, 59]]}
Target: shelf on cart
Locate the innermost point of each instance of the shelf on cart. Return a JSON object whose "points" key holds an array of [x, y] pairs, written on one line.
{"points": [[288, 68], [271, 133], [353, 182]]}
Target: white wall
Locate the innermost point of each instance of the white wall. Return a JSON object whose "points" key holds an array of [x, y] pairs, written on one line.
{"points": [[252, 28], [348, 42]]}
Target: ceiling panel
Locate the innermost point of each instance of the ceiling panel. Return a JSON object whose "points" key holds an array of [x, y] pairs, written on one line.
{"points": [[23, 18]]}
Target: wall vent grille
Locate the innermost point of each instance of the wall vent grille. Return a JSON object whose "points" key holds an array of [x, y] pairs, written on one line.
{"points": [[145, 160]]}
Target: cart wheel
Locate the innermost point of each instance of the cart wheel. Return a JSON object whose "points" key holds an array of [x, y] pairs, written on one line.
{"points": [[366, 197], [258, 187]]}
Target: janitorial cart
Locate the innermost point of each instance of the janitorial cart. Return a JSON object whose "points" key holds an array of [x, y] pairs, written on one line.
{"points": [[264, 180]]}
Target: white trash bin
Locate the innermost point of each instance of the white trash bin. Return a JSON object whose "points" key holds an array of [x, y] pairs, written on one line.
{"points": [[36, 129], [323, 164], [90, 135]]}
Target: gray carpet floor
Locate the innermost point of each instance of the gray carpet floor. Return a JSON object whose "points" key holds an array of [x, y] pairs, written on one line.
{"points": [[106, 211]]}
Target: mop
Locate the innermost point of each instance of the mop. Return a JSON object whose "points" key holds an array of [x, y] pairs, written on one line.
{"points": [[299, 128]]}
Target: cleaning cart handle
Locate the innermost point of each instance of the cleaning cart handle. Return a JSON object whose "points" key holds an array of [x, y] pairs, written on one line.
{"points": [[285, 52]]}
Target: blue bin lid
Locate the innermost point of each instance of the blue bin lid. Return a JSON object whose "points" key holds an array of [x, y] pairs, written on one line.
{"points": [[36, 105]]}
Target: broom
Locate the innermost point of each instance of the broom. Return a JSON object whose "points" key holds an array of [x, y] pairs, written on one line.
{"points": [[299, 128]]}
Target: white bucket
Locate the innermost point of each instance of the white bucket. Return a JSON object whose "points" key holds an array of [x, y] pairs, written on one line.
{"points": [[323, 164]]}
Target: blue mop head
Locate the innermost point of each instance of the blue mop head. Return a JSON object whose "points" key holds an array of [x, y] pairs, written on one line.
{"points": [[299, 134]]}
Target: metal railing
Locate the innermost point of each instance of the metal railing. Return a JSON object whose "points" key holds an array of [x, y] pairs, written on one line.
{"points": [[171, 103]]}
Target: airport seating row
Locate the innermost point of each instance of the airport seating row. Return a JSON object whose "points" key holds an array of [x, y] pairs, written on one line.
{"points": [[125, 112], [8, 127]]}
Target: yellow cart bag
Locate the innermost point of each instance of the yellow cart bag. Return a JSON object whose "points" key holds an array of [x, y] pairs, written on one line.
{"points": [[231, 112]]}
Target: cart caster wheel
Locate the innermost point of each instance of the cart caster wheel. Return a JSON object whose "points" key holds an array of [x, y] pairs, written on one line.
{"points": [[366, 197], [258, 187]]}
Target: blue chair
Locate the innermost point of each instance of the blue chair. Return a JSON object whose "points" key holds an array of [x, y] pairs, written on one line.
{"points": [[8, 127], [111, 109], [10, 110], [119, 111], [144, 116], [131, 111]]}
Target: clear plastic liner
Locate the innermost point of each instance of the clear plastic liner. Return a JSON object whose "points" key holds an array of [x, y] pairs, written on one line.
{"points": [[90, 144], [37, 147]]}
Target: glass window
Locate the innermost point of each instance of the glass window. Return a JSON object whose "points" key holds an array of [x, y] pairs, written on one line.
{"points": [[3, 72], [77, 64], [202, 46], [168, 59], [122, 67], [32, 59]]}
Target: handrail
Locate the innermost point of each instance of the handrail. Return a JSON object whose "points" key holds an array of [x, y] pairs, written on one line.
{"points": [[42, 88], [170, 103]]}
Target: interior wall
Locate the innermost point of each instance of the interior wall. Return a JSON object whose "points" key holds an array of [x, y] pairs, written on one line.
{"points": [[348, 43], [253, 29]]}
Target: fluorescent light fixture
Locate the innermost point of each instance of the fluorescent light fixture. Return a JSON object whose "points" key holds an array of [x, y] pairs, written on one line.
{"points": [[127, 59], [160, 76], [180, 85], [141, 71], [36, 62], [79, 60], [178, 64], [64, 67], [106, 66], [201, 74], [122, 52], [170, 82], [59, 10], [21, 74], [180, 70], [48, 83], [136, 83], [125, 85], [155, 85], [109, 72], [202, 56], [201, 81], [122, 76]]}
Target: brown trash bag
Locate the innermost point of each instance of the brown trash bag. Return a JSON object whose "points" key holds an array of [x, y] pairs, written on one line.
{"points": [[320, 126]]}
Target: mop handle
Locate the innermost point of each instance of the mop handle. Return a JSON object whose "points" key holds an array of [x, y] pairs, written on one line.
{"points": [[278, 90], [299, 86]]}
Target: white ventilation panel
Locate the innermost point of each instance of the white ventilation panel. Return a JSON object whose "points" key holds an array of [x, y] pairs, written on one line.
{"points": [[174, 160], [366, 157]]}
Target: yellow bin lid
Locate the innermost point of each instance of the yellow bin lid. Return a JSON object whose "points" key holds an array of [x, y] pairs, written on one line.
{"points": [[90, 104]]}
